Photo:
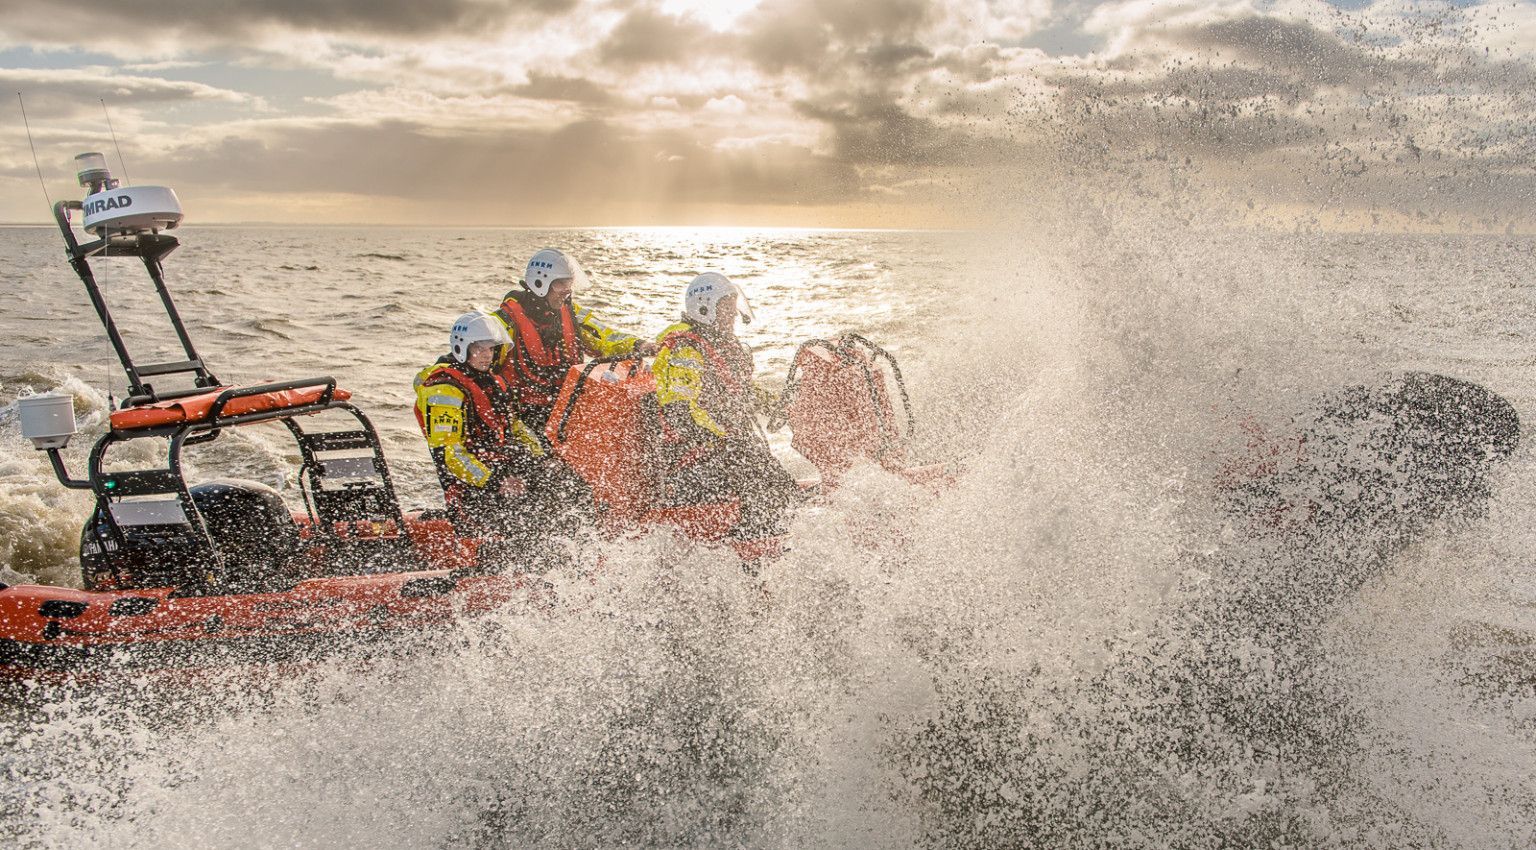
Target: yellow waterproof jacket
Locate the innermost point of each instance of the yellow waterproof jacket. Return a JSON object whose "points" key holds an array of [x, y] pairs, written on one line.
{"points": [[599, 339], [708, 376], [467, 422]]}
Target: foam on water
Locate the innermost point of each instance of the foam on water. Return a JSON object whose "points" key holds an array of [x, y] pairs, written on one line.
{"points": [[40, 520]]}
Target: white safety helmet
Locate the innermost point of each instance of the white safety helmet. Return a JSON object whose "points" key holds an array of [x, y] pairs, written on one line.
{"points": [[475, 326], [548, 266], [705, 293]]}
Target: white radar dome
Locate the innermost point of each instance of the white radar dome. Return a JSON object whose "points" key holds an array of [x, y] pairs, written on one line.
{"points": [[113, 210], [131, 209]]}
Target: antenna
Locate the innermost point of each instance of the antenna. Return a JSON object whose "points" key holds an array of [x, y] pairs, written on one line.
{"points": [[120, 161], [35, 164]]}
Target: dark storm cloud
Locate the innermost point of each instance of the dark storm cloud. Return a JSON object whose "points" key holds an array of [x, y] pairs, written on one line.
{"points": [[648, 37], [77, 21], [579, 166]]}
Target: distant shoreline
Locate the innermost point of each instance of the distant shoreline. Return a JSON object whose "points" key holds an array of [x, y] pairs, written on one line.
{"points": [[272, 225], [20, 225]]}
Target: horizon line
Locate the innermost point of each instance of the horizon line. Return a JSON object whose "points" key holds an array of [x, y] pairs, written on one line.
{"points": [[362, 225]]}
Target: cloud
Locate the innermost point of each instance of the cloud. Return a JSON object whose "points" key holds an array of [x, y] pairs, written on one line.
{"points": [[553, 87], [232, 21], [667, 99], [532, 175], [1128, 22], [169, 65], [61, 93], [906, 188], [978, 21], [812, 36], [1224, 76], [730, 104], [858, 64], [1299, 50], [646, 36], [875, 130]]}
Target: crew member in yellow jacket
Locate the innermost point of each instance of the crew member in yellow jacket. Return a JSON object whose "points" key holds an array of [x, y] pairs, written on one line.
{"points": [[484, 456], [712, 447]]}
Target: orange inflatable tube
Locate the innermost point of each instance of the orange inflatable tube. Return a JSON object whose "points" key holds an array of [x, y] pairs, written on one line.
{"points": [[196, 408]]}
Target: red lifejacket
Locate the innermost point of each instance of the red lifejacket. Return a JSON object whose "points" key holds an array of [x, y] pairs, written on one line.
{"points": [[491, 428], [533, 372], [733, 381]]}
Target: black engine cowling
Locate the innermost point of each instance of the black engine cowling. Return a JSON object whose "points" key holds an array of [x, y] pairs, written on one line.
{"points": [[248, 524]]}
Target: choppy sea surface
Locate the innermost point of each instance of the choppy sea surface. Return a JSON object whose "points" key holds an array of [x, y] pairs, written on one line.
{"points": [[986, 665]]}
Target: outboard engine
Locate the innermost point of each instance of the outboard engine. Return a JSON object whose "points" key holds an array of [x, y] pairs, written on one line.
{"points": [[138, 556], [252, 530], [248, 523]]}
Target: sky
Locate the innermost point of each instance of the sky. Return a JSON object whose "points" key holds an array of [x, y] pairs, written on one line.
{"points": [[815, 113]]}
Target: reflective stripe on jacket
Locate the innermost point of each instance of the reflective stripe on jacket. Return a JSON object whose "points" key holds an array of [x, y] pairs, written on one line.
{"points": [[710, 374], [467, 428]]}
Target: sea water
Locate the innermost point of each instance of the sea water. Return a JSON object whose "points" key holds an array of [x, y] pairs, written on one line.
{"points": [[993, 663]]}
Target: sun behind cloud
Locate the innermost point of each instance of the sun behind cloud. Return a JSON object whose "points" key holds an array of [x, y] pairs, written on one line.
{"points": [[784, 112], [720, 15]]}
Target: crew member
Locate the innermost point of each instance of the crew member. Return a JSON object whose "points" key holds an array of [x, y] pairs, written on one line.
{"points": [[550, 334], [712, 448], [483, 454]]}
